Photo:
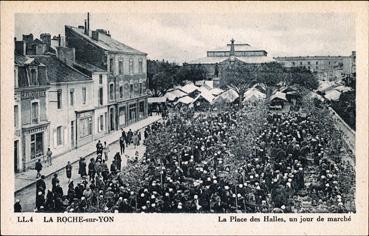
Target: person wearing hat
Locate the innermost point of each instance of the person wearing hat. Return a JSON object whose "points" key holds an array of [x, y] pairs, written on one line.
{"points": [[38, 168], [17, 206], [68, 170], [41, 185], [40, 200]]}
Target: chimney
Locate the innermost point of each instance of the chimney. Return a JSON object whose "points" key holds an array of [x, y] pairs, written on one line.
{"points": [[85, 27], [232, 48], [88, 23], [59, 40], [66, 55], [20, 47]]}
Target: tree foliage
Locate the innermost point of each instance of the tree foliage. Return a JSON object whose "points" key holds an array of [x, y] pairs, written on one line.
{"points": [[301, 76], [163, 75], [346, 108]]}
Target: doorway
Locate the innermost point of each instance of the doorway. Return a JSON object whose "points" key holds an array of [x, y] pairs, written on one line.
{"points": [[16, 148]]}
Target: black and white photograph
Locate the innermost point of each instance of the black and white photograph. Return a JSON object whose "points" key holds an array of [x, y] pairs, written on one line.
{"points": [[235, 114], [174, 124]]}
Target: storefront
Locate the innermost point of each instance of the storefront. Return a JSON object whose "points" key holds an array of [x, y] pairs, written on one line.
{"points": [[35, 144], [132, 113], [122, 116], [84, 128]]}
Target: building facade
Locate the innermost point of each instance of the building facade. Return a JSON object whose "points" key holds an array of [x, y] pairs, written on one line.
{"points": [[30, 112], [69, 102], [125, 68], [326, 68], [241, 52], [99, 96]]}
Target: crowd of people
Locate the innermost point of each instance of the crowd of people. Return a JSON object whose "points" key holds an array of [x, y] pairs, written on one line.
{"points": [[248, 160]]}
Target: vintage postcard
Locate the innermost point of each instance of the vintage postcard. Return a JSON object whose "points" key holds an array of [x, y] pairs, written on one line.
{"points": [[215, 118]]}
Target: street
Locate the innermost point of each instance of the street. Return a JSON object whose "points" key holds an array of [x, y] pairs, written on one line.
{"points": [[27, 196]]}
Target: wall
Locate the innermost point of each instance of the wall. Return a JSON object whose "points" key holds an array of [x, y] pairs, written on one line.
{"points": [[100, 110], [64, 116], [85, 51]]}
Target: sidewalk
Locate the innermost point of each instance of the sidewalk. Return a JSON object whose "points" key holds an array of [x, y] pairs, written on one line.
{"points": [[27, 178]]}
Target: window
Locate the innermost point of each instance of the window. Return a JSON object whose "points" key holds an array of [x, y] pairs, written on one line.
{"points": [[111, 65], [111, 91], [316, 63], [140, 66], [141, 89], [101, 98], [293, 63], [59, 98], [59, 135], [15, 78], [308, 62], [37, 149], [84, 95], [131, 90], [71, 92], [301, 63], [100, 79], [101, 122], [122, 115], [33, 77], [141, 106], [34, 111], [85, 127], [120, 67], [16, 116], [121, 91], [131, 66]]}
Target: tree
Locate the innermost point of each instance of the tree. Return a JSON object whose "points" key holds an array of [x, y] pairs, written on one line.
{"points": [[301, 76]]}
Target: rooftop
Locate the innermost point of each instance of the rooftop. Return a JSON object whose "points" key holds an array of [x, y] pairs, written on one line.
{"points": [[106, 42], [214, 60], [58, 71], [89, 67], [238, 47]]}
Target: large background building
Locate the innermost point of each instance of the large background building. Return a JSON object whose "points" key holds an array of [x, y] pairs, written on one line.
{"points": [[326, 67], [241, 52], [126, 68]]}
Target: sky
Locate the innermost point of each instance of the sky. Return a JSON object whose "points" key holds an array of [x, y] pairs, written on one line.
{"points": [[184, 37]]}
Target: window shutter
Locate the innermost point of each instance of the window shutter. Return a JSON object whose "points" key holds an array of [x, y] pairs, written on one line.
{"points": [[55, 138], [65, 131]]}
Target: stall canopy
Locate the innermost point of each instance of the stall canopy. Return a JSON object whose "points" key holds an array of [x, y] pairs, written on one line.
{"points": [[189, 88], [253, 94], [228, 96], [156, 100], [216, 91], [278, 96], [175, 94], [206, 95], [185, 100], [332, 95]]}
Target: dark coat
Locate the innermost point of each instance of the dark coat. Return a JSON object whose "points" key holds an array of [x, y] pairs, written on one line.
{"points": [[68, 170]]}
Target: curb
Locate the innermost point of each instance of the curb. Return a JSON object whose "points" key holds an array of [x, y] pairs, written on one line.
{"points": [[59, 169]]}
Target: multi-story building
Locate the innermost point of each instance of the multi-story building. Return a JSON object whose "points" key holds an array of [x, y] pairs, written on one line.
{"points": [[30, 113], [325, 67], [70, 106], [99, 96], [126, 69], [241, 52]]}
